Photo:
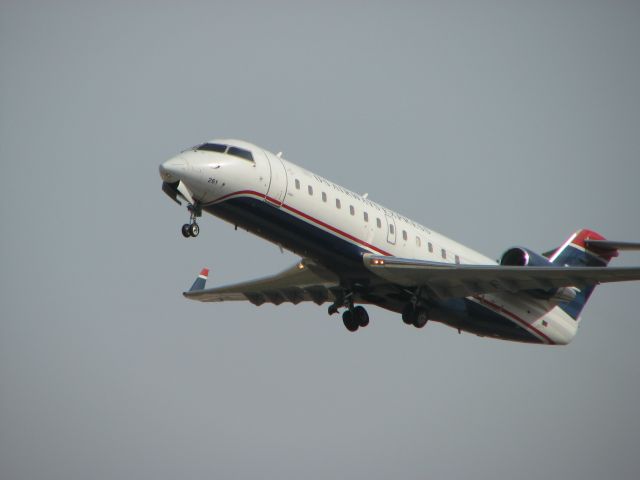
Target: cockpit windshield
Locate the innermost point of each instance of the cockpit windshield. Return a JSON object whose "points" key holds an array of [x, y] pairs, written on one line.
{"points": [[230, 150], [212, 147], [240, 152]]}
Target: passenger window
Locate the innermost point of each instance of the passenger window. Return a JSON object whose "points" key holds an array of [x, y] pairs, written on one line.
{"points": [[418, 241], [366, 216], [324, 197], [404, 235], [310, 190], [444, 253], [430, 247], [337, 203], [352, 210], [457, 259], [297, 184], [378, 223]]}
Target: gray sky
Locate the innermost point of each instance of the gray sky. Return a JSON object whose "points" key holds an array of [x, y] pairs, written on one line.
{"points": [[497, 124]]}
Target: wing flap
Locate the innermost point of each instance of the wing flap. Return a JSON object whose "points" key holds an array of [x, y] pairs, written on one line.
{"points": [[452, 280], [303, 282]]}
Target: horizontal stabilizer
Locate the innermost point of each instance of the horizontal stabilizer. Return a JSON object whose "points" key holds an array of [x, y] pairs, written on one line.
{"points": [[612, 245]]}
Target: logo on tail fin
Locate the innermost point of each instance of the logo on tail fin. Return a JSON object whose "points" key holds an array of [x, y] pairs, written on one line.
{"points": [[577, 252]]}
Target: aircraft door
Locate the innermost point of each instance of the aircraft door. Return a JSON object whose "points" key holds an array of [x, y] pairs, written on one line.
{"points": [[278, 183], [391, 229]]}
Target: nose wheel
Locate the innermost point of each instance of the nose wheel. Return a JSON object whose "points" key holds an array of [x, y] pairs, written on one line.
{"points": [[192, 229]]}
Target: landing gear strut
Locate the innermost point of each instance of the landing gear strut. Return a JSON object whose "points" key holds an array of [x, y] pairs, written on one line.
{"points": [[192, 229]]}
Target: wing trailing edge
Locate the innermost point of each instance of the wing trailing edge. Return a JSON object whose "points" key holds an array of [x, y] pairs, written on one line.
{"points": [[452, 280], [305, 281]]}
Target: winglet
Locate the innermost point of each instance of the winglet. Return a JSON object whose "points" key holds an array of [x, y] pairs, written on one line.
{"points": [[200, 281]]}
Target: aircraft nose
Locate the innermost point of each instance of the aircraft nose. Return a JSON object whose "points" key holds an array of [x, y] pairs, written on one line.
{"points": [[173, 170]]}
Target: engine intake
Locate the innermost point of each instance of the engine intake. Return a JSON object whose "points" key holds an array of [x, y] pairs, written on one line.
{"points": [[523, 257]]}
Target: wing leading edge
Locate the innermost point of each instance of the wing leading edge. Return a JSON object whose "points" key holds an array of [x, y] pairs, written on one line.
{"points": [[451, 280], [302, 282]]}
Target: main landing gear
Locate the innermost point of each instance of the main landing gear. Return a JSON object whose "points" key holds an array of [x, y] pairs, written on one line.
{"points": [[356, 318], [353, 317], [192, 229], [414, 315]]}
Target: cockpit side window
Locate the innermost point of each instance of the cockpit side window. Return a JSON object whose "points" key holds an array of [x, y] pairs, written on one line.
{"points": [[212, 147], [240, 152]]}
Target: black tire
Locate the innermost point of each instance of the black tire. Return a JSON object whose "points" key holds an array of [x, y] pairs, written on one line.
{"points": [[361, 316], [194, 229], [421, 318], [185, 231], [408, 315], [349, 321]]}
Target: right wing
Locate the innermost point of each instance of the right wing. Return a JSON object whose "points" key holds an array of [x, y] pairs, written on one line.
{"points": [[305, 281], [447, 280]]}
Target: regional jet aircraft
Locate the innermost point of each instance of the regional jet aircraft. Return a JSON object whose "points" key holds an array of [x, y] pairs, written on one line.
{"points": [[355, 252]]}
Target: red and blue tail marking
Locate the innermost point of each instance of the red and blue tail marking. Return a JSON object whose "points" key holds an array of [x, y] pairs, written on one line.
{"points": [[577, 252], [200, 281]]}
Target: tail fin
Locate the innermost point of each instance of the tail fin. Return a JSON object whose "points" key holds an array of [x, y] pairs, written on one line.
{"points": [[578, 251]]}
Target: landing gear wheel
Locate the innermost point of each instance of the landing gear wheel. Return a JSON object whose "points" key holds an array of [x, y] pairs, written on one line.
{"points": [[185, 230], [349, 320], [194, 229], [421, 318], [408, 315], [361, 316], [332, 309]]}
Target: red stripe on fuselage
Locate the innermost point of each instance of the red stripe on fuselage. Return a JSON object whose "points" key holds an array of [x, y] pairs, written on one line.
{"points": [[523, 323]]}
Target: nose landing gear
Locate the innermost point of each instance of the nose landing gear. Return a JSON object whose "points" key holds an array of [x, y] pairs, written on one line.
{"points": [[192, 229]]}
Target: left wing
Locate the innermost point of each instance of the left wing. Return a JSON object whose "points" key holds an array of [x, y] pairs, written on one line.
{"points": [[447, 280], [305, 281]]}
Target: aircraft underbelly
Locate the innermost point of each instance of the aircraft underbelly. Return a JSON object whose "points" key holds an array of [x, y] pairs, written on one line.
{"points": [[276, 225]]}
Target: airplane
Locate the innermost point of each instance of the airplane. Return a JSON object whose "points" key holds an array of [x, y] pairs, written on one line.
{"points": [[355, 252]]}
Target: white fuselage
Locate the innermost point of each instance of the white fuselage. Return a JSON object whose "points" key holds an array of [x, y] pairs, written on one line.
{"points": [[213, 178]]}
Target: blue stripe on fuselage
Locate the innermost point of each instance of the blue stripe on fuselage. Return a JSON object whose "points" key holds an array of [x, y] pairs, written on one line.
{"points": [[299, 236]]}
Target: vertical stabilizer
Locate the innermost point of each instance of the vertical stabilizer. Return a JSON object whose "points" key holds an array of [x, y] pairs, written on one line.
{"points": [[577, 252]]}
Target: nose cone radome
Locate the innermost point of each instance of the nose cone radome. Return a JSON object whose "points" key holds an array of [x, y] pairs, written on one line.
{"points": [[173, 170]]}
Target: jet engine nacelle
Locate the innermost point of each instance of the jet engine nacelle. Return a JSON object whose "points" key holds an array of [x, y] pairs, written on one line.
{"points": [[523, 257]]}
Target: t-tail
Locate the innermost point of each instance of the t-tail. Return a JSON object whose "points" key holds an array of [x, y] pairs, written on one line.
{"points": [[586, 248]]}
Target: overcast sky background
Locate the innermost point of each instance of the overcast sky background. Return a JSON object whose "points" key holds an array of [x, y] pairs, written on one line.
{"points": [[495, 123]]}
